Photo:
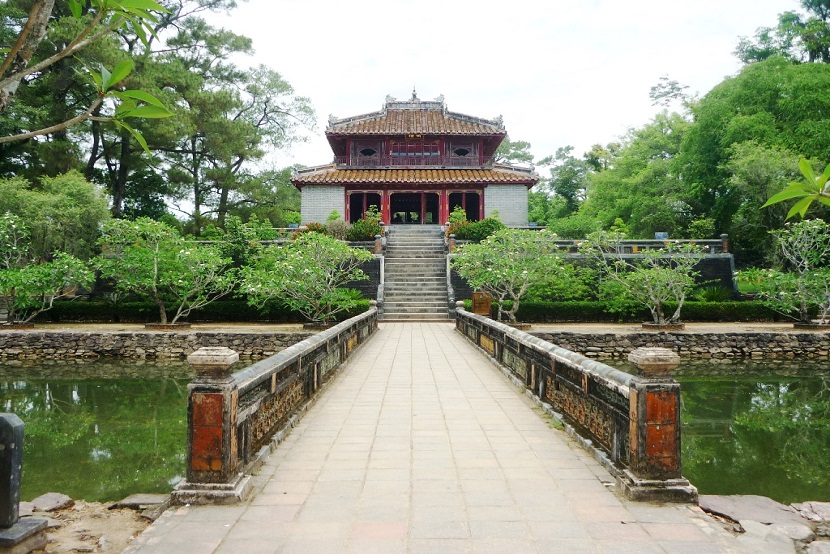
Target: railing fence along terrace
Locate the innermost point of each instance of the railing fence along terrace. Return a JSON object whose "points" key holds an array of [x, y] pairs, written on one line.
{"points": [[233, 418], [631, 423]]}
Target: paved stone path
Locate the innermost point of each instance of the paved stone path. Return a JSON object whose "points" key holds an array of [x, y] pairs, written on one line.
{"points": [[422, 445]]}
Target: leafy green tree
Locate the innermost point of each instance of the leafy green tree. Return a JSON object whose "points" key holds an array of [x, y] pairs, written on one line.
{"points": [[568, 178], [805, 250], [64, 213], [775, 104], [650, 279], [516, 152], [97, 20], [149, 258], [29, 286], [308, 275], [643, 185], [799, 37], [508, 263]]}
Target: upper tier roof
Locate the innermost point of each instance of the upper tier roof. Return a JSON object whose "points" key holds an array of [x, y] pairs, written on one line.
{"points": [[414, 116], [332, 175]]}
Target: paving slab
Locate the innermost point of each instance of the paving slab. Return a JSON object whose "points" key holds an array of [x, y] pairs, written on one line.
{"points": [[421, 444]]}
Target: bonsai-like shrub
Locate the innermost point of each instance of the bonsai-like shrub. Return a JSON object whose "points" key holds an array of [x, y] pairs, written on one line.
{"points": [[650, 279], [29, 286], [150, 259], [367, 227], [308, 275], [507, 263], [805, 287]]}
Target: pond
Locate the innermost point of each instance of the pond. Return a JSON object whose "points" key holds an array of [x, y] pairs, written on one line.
{"points": [[752, 428], [748, 428], [95, 437]]}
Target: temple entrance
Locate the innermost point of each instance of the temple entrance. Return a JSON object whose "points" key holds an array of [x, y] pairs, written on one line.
{"points": [[413, 208], [359, 202], [470, 201]]}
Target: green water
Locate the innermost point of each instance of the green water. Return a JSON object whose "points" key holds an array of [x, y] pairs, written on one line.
{"points": [[95, 437], [747, 428], [757, 429]]}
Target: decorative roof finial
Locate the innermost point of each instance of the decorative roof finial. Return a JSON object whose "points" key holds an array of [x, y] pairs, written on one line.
{"points": [[414, 95]]}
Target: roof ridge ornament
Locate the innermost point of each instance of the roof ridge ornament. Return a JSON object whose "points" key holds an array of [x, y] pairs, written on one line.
{"points": [[332, 119], [414, 95]]}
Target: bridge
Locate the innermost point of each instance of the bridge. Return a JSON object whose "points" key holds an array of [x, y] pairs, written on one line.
{"points": [[419, 443]]}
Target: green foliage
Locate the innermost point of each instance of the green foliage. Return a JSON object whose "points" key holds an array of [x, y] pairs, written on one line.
{"points": [[308, 275], [642, 184], [774, 104], [338, 229], [805, 288], [458, 215], [702, 229], [651, 279], [367, 227], [29, 286], [476, 230], [507, 263], [574, 226], [569, 282], [814, 188], [150, 259], [63, 213], [568, 178], [714, 294], [333, 216]]}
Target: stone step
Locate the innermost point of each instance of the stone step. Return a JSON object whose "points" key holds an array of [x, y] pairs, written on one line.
{"points": [[391, 318], [413, 289], [415, 310]]}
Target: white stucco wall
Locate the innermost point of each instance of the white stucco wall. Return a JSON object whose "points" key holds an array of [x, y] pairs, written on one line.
{"points": [[509, 200], [318, 201]]}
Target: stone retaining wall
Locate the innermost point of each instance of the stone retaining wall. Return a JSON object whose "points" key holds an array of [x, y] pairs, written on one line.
{"points": [[21, 345], [696, 345]]}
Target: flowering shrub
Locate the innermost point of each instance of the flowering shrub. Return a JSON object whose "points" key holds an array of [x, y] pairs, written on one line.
{"points": [[307, 275], [507, 263], [651, 279], [148, 258], [28, 286]]}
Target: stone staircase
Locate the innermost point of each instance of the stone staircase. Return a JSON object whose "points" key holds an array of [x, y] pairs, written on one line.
{"points": [[415, 274]]}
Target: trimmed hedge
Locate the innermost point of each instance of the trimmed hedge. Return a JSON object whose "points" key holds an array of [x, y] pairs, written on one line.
{"points": [[585, 311], [81, 311]]}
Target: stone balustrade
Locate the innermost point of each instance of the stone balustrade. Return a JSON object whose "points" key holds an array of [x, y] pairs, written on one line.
{"points": [[233, 418], [631, 422]]}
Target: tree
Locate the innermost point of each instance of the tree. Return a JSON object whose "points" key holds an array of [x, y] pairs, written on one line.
{"points": [[29, 286], [308, 275], [801, 38], [98, 19], [149, 258], [772, 103], [805, 249], [64, 213], [650, 279], [642, 185], [568, 177], [508, 263], [517, 152]]}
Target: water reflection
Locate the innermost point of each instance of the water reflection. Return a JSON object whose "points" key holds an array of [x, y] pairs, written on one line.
{"points": [[96, 437], [757, 428]]}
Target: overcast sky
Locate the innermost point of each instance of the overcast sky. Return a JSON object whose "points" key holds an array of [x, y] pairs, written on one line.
{"points": [[560, 73]]}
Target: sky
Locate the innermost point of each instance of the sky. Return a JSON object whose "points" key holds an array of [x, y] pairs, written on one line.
{"points": [[560, 73]]}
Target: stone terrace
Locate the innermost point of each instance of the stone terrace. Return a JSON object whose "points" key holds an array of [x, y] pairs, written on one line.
{"points": [[422, 445]]}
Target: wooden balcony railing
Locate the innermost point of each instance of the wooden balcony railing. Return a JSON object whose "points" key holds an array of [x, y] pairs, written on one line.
{"points": [[412, 161]]}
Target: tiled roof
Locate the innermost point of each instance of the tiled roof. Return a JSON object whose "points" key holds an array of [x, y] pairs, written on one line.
{"points": [[414, 116], [332, 175]]}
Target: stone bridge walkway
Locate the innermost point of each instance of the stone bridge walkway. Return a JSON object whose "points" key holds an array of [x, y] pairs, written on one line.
{"points": [[422, 445]]}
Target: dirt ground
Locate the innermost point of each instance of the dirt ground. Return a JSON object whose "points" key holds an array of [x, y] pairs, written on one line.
{"points": [[92, 527]]}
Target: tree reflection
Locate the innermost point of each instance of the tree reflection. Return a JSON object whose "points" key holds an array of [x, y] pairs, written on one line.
{"points": [[750, 435], [100, 439]]}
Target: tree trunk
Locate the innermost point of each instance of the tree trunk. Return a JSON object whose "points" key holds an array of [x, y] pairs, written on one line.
{"points": [[119, 187], [21, 53]]}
